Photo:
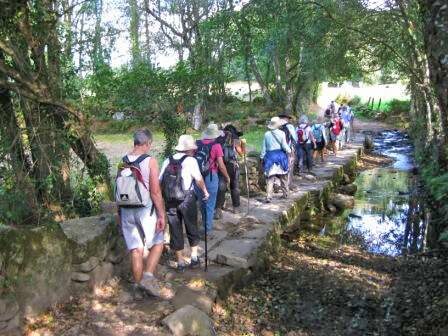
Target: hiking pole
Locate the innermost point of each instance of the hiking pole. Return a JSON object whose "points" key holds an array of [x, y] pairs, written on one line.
{"points": [[205, 235], [243, 142]]}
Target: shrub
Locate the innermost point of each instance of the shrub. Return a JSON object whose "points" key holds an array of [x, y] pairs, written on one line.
{"points": [[397, 106], [355, 101]]}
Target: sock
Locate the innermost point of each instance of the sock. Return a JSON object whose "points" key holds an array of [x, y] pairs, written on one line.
{"points": [[148, 275], [194, 254]]}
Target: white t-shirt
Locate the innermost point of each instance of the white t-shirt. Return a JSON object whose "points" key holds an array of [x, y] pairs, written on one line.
{"points": [[144, 167], [190, 170]]}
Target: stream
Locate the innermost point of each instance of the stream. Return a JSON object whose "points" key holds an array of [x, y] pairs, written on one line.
{"points": [[388, 217]]}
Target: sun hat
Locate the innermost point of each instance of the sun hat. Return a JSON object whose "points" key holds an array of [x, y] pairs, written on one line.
{"points": [[284, 115], [275, 123], [212, 132], [232, 129], [185, 143]]}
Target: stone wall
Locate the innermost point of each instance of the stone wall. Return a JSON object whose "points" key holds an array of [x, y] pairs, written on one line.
{"points": [[256, 179], [44, 266]]}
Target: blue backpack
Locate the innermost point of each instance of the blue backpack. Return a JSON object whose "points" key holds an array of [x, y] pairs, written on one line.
{"points": [[317, 132]]}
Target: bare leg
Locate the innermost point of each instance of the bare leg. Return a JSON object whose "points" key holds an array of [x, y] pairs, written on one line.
{"points": [[269, 187], [153, 259], [284, 185], [179, 257], [137, 264]]}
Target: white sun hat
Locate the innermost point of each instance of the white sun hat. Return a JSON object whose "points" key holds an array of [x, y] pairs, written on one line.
{"points": [[185, 143]]}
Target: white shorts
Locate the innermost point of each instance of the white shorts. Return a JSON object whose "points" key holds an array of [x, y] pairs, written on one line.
{"points": [[139, 228]]}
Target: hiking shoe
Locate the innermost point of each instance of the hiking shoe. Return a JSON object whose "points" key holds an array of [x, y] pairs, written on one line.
{"points": [[137, 292], [236, 210], [153, 287], [218, 214], [195, 263], [181, 268]]}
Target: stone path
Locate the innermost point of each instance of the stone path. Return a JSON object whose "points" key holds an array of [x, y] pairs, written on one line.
{"points": [[240, 243], [239, 246]]}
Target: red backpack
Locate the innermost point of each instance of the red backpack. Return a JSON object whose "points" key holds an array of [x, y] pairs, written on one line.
{"points": [[337, 127], [301, 136]]}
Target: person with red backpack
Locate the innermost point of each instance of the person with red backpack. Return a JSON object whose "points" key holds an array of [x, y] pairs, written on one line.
{"points": [[142, 215], [335, 127], [210, 159], [305, 144], [179, 175]]}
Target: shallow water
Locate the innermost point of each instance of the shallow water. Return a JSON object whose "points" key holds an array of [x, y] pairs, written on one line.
{"points": [[388, 217]]}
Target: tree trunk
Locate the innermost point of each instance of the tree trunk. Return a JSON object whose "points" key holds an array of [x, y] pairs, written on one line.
{"points": [[134, 31], [435, 15]]}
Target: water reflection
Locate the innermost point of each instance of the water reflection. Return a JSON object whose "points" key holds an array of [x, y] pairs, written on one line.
{"points": [[388, 217]]}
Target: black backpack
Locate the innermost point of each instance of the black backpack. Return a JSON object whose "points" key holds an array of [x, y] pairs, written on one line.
{"points": [[289, 139], [203, 157], [229, 149], [172, 181]]}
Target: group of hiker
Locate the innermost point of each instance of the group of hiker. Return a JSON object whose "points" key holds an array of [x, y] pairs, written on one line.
{"points": [[196, 177], [288, 149]]}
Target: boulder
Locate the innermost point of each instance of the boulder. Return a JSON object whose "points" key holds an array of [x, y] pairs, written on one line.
{"points": [[10, 327], [39, 261], [189, 320], [80, 277], [341, 201], [349, 189], [88, 266], [331, 208], [368, 143], [199, 299], [101, 274]]}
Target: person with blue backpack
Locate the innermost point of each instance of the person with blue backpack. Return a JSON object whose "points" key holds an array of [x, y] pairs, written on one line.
{"points": [[209, 155], [319, 133]]}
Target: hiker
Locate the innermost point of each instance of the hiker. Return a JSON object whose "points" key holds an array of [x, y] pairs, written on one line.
{"points": [[335, 127], [178, 176], [231, 146], [319, 133], [291, 139], [347, 120], [210, 159], [332, 107], [274, 157], [305, 144], [142, 215]]}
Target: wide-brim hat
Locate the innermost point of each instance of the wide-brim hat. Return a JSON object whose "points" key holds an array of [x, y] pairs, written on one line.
{"points": [[285, 116], [212, 132], [275, 123], [232, 129], [185, 143]]}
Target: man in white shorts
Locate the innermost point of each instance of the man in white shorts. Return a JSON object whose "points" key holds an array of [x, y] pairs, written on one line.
{"points": [[143, 226]]}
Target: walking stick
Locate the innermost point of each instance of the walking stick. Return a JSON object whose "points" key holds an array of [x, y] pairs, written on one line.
{"points": [[205, 236], [243, 143]]}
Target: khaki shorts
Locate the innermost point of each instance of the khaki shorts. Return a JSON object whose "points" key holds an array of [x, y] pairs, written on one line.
{"points": [[139, 228]]}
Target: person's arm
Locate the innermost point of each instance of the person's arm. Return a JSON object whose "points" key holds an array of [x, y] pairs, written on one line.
{"points": [[324, 134], [285, 145], [263, 148], [197, 177], [238, 147], [222, 168], [311, 136], [156, 194]]}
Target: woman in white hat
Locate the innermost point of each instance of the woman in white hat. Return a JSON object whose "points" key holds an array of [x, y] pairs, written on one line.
{"points": [[210, 158], [180, 199], [274, 156]]}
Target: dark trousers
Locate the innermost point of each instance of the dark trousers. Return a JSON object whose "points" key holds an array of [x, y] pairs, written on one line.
{"points": [[234, 173], [185, 213], [305, 155]]}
